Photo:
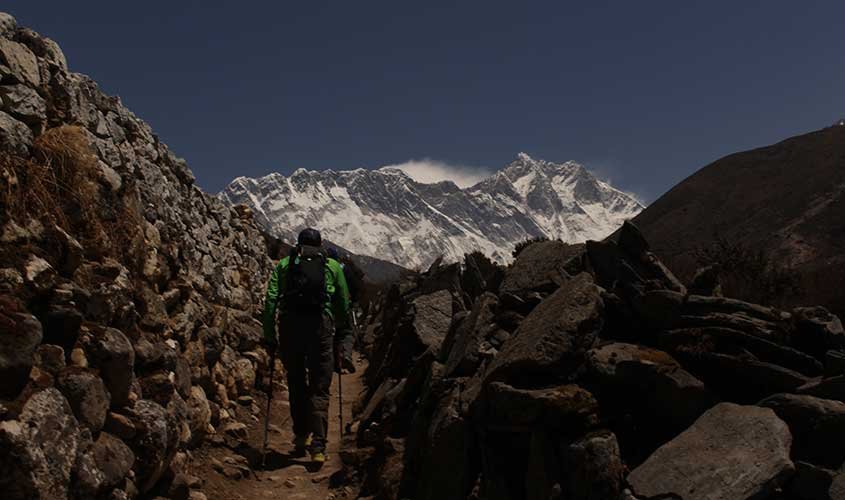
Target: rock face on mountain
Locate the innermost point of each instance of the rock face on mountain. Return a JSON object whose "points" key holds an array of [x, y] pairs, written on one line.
{"points": [[608, 380], [127, 295], [784, 201], [385, 213]]}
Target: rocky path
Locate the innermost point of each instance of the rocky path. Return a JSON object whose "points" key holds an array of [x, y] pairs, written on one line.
{"points": [[234, 472]]}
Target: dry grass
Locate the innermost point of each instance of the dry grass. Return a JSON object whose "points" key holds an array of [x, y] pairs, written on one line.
{"points": [[59, 184]]}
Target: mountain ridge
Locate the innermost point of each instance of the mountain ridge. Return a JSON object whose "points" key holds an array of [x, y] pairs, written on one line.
{"points": [[385, 213]]}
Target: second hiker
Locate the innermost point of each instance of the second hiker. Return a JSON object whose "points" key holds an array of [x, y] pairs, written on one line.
{"points": [[308, 291]]}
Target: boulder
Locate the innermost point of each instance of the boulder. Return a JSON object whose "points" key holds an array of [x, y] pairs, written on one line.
{"points": [[827, 388], [199, 414], [15, 137], [592, 468], [7, 25], [21, 61], [23, 103], [817, 425], [650, 384], [38, 452], [113, 458], [567, 407], [87, 396], [112, 353], [43, 47], [20, 334], [153, 443], [467, 351], [817, 330], [542, 267], [552, 340], [731, 451]]}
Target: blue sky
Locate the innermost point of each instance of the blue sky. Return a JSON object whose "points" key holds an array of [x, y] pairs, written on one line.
{"points": [[645, 93]]}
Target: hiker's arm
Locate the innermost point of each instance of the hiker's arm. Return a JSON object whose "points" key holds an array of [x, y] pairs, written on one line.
{"points": [[341, 301], [270, 301]]}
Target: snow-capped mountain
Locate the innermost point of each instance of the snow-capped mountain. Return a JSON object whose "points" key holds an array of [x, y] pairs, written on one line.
{"points": [[384, 213]]}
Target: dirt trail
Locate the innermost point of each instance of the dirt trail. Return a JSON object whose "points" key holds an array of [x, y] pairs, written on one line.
{"points": [[284, 476]]}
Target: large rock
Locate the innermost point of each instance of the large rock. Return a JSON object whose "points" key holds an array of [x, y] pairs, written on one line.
{"points": [[817, 330], [15, 137], [732, 451], [153, 443], [567, 406], [113, 458], [7, 25], [199, 414], [87, 395], [542, 267], [38, 452], [817, 425], [552, 340], [593, 468], [23, 103], [650, 383], [113, 355], [21, 61], [20, 334], [468, 348]]}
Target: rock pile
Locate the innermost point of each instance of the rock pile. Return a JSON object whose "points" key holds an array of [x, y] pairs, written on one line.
{"points": [[128, 296], [591, 372]]}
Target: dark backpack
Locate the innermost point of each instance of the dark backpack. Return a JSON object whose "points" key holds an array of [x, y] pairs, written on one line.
{"points": [[305, 286]]}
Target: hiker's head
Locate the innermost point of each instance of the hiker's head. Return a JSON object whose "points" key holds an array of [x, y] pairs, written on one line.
{"points": [[332, 253], [309, 237]]}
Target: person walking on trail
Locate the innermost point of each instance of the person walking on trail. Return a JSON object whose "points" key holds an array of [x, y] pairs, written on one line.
{"points": [[308, 290]]}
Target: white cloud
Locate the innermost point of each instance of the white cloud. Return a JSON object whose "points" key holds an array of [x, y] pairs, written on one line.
{"points": [[429, 171]]}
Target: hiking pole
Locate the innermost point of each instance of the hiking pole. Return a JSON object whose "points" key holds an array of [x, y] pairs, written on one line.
{"points": [[340, 398], [267, 413]]}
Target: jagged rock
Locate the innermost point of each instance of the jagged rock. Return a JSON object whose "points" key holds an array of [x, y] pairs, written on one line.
{"points": [[157, 387], [23, 103], [14, 135], [43, 47], [20, 334], [552, 340], [38, 452], [87, 396], [21, 61], [817, 425], [199, 414], [817, 330], [7, 25], [650, 383], [732, 451], [50, 358], [834, 363], [564, 407], [153, 443], [466, 352], [113, 458], [182, 377], [810, 482], [113, 355], [39, 274], [542, 267], [828, 388], [593, 468]]}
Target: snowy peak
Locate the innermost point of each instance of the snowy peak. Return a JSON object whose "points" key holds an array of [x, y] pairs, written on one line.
{"points": [[384, 213]]}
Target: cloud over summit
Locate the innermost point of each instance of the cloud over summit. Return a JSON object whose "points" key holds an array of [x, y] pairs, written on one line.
{"points": [[430, 171]]}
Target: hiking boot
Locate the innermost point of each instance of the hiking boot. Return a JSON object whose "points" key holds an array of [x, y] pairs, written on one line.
{"points": [[318, 453], [301, 444]]}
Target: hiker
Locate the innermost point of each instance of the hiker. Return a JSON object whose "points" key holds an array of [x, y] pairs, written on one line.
{"points": [[309, 291], [354, 281]]}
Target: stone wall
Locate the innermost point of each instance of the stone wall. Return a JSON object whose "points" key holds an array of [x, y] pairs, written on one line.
{"points": [[128, 327]]}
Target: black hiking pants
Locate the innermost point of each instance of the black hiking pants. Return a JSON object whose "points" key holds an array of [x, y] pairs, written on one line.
{"points": [[306, 349]]}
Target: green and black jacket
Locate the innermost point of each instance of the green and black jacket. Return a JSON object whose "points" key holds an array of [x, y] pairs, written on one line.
{"points": [[337, 296]]}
